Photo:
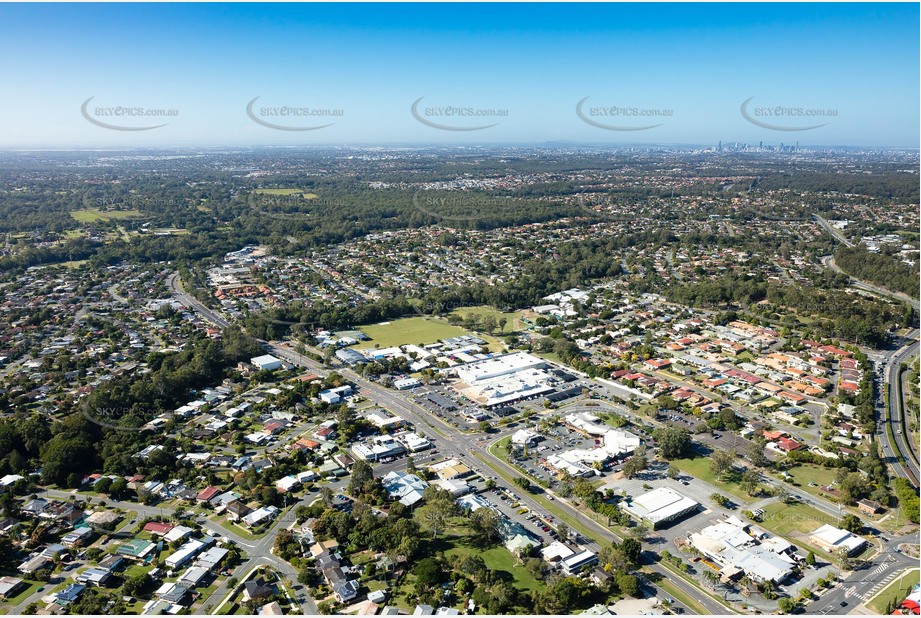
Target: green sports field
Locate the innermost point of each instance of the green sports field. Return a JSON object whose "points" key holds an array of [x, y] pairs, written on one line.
{"points": [[409, 330], [92, 215]]}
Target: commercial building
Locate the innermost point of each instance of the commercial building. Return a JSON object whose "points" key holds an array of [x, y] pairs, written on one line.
{"points": [[740, 548], [378, 448], [451, 469], [414, 442], [476, 372], [266, 362], [335, 395], [660, 507], [404, 487], [835, 540]]}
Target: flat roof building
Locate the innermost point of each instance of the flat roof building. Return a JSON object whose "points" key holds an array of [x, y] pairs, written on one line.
{"points": [[660, 507], [834, 540], [266, 362]]}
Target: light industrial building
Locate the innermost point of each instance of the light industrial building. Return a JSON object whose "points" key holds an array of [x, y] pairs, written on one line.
{"points": [[834, 540], [660, 507], [266, 362]]}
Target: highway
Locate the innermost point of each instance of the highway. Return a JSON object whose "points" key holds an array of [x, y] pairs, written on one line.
{"points": [[907, 465], [832, 230]]}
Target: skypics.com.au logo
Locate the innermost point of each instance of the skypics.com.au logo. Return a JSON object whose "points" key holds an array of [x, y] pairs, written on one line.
{"points": [[125, 117], [454, 117], [785, 117], [621, 117], [120, 418], [280, 117]]}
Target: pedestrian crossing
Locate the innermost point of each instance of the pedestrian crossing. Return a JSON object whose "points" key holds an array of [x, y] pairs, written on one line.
{"points": [[851, 591]]}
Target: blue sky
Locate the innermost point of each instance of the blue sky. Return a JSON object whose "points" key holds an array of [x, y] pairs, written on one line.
{"points": [[533, 61]]}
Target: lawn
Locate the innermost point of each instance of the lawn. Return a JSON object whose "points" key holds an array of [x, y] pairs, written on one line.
{"points": [[794, 520], [699, 467], [804, 474], [92, 215], [895, 592], [26, 592], [501, 560], [410, 330]]}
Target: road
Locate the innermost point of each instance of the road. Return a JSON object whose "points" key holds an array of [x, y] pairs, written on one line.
{"points": [[905, 466], [829, 262], [860, 585], [259, 550], [832, 230]]}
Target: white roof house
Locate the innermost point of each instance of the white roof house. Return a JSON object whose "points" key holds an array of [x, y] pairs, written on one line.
{"points": [[335, 395], [378, 448], [260, 515], [526, 437], [177, 533], [406, 383], [192, 576], [287, 483], [211, 558], [575, 563], [185, 553], [556, 551], [456, 487]]}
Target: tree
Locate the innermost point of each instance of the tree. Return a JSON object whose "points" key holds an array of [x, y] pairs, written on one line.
{"points": [[484, 524], [810, 558], [851, 523], [523, 483], [490, 323], [633, 550], [429, 572], [627, 584], [722, 461], [362, 474], [674, 442], [755, 454], [749, 482], [435, 513], [563, 530], [673, 471], [636, 464], [786, 605]]}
